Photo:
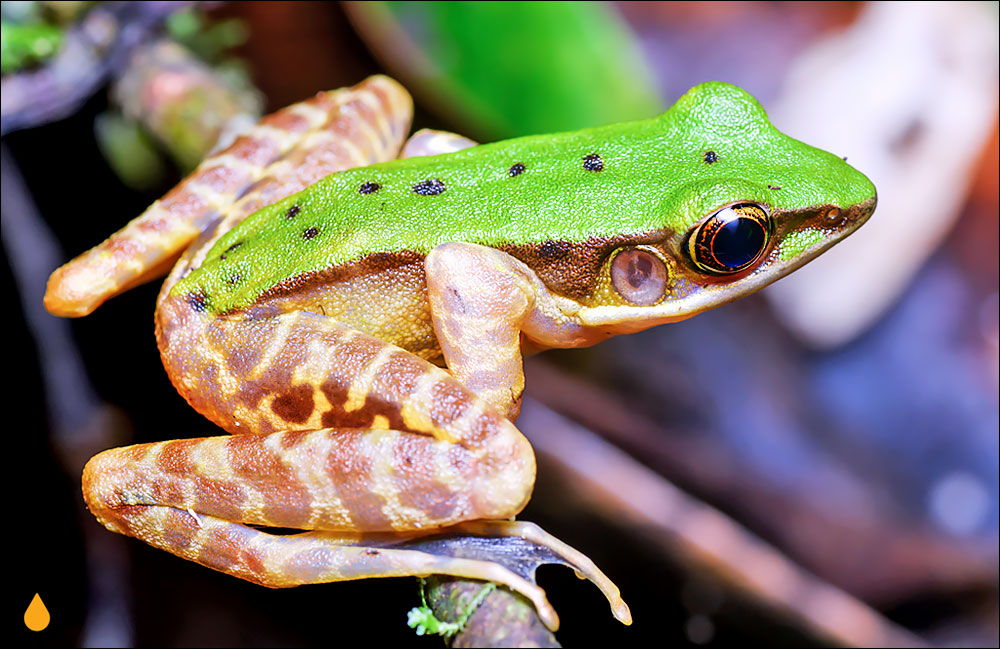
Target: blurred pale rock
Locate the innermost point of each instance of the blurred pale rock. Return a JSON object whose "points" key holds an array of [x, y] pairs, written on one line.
{"points": [[909, 94]]}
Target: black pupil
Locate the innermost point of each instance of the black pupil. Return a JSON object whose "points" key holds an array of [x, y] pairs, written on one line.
{"points": [[738, 242]]}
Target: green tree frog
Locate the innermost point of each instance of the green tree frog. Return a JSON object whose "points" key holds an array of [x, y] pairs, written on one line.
{"points": [[356, 312]]}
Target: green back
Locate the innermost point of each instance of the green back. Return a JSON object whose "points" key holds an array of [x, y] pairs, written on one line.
{"points": [[714, 146]]}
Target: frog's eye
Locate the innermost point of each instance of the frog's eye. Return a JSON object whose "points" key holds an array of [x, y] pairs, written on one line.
{"points": [[730, 240], [639, 276]]}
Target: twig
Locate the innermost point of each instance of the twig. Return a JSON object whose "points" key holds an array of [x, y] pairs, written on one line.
{"points": [[502, 619]]}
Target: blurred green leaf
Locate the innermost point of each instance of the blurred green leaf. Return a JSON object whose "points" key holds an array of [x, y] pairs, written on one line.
{"points": [[207, 38], [22, 45], [131, 153], [514, 68]]}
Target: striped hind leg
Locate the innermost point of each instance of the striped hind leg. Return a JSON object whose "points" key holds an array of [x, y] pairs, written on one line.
{"points": [[285, 152], [198, 498], [415, 452]]}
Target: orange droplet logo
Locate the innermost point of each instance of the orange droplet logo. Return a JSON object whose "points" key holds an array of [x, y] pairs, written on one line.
{"points": [[36, 617]]}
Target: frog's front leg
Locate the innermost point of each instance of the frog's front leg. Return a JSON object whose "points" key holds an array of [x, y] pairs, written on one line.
{"points": [[483, 303], [487, 307], [479, 299]]}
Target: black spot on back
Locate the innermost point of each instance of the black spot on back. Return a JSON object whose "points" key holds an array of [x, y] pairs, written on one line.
{"points": [[516, 169], [228, 250], [197, 300], [429, 187], [293, 211], [593, 162], [235, 278], [309, 233], [369, 188], [710, 157]]}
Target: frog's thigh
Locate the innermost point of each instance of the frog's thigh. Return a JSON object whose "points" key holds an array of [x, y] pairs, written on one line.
{"points": [[398, 422], [479, 298], [369, 119]]}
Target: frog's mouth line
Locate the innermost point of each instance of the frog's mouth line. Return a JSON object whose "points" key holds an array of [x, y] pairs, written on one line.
{"points": [[627, 319]]}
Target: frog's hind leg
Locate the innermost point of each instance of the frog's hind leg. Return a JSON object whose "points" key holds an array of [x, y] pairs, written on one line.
{"points": [[418, 451], [199, 499], [282, 154]]}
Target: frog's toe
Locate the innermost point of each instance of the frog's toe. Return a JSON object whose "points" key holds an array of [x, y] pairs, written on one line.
{"points": [[521, 547]]}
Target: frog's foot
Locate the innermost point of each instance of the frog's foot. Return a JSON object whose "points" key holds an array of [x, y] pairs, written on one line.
{"points": [[579, 562], [283, 561]]}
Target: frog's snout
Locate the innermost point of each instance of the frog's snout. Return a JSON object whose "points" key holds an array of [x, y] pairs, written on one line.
{"points": [[854, 216], [857, 197]]}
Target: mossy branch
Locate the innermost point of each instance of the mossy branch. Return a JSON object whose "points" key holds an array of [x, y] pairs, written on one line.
{"points": [[501, 619]]}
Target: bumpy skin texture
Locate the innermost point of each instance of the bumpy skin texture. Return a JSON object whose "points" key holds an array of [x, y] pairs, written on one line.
{"points": [[316, 324], [652, 179]]}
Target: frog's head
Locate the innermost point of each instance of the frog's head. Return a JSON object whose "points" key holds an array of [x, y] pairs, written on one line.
{"points": [[754, 206]]}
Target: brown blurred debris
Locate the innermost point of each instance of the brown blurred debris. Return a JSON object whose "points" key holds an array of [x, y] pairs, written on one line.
{"points": [[858, 548], [622, 489]]}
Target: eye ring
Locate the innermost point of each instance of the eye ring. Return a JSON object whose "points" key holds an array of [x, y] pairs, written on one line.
{"points": [[639, 275], [730, 240]]}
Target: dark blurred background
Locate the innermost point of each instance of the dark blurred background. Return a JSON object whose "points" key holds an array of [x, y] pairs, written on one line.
{"points": [[839, 430]]}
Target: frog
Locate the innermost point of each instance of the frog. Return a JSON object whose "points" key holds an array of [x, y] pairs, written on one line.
{"points": [[354, 307]]}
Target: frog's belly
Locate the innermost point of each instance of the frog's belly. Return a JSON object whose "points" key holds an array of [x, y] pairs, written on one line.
{"points": [[387, 303]]}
